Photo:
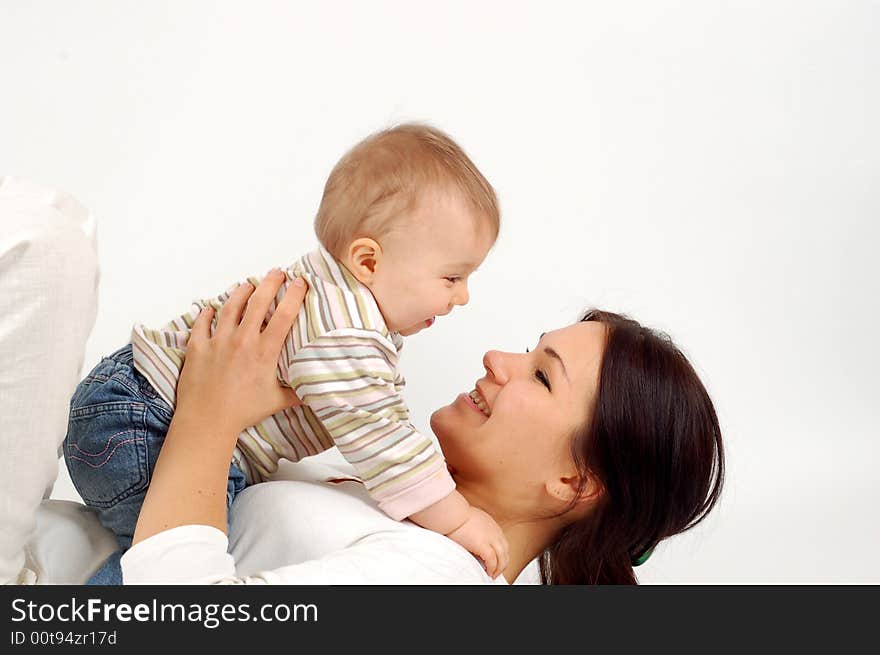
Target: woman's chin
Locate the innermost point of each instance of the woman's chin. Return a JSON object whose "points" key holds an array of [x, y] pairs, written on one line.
{"points": [[456, 418], [443, 423], [436, 420]]}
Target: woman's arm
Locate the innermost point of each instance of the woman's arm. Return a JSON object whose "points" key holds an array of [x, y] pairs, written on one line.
{"points": [[228, 382], [197, 554]]}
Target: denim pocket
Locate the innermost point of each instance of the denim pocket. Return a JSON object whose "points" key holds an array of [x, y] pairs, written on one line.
{"points": [[106, 448]]}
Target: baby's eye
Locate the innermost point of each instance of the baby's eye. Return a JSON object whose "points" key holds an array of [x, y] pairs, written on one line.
{"points": [[453, 279]]}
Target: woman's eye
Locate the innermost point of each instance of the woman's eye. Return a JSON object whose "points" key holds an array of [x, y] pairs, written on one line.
{"points": [[542, 378]]}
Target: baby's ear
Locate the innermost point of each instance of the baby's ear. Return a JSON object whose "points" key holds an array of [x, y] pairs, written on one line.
{"points": [[363, 258]]}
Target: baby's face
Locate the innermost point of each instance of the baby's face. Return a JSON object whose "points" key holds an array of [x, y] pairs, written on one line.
{"points": [[426, 262]]}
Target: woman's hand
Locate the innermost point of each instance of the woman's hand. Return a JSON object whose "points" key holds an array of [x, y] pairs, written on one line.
{"points": [[231, 376], [228, 383]]}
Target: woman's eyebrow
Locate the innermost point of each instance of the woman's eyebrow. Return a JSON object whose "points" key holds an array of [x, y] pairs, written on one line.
{"points": [[555, 355]]}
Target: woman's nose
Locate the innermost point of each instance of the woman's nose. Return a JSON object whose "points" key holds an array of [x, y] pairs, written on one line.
{"points": [[495, 363]]}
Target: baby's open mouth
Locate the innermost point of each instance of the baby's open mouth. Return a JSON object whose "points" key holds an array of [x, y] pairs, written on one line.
{"points": [[480, 402]]}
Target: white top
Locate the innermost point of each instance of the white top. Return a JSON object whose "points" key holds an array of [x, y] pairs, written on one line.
{"points": [[316, 526]]}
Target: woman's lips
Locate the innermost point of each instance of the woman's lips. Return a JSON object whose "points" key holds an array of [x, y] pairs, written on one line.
{"points": [[470, 403]]}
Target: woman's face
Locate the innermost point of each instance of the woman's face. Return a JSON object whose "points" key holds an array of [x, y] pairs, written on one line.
{"points": [[513, 435]]}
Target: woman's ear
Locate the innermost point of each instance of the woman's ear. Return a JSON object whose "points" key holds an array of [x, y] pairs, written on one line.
{"points": [[362, 259], [567, 489]]}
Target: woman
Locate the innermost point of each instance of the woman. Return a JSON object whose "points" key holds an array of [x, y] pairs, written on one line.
{"points": [[588, 451]]}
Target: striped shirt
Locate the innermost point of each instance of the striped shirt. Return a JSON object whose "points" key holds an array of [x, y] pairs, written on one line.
{"points": [[342, 362]]}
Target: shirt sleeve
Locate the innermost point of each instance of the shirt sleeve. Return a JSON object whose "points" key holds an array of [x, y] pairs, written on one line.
{"points": [[196, 554], [347, 377]]}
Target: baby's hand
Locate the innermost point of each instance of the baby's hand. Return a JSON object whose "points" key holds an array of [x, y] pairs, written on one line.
{"points": [[483, 537]]}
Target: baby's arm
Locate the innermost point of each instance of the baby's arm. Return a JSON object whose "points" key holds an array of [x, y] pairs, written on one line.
{"points": [[347, 378], [468, 526]]}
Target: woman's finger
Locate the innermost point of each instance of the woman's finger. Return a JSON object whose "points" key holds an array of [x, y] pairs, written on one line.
{"points": [[286, 398], [201, 329], [258, 305], [285, 314], [230, 313]]}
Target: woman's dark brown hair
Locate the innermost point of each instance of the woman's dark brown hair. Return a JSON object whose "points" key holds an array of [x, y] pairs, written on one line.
{"points": [[654, 447]]}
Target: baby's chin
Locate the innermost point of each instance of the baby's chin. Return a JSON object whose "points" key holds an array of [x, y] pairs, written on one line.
{"points": [[413, 329]]}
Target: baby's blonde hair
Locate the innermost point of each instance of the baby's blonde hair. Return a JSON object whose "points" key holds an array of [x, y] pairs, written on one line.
{"points": [[385, 174]]}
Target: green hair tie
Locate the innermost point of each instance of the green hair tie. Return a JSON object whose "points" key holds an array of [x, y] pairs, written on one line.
{"points": [[643, 557]]}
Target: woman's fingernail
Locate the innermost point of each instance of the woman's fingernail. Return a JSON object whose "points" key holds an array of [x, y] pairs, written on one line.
{"points": [[299, 282]]}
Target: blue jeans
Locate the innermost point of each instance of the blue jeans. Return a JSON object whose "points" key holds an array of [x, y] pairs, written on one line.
{"points": [[116, 427]]}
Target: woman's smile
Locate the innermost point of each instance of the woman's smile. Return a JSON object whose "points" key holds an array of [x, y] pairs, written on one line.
{"points": [[475, 402]]}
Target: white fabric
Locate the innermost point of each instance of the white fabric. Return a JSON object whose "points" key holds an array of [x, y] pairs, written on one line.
{"points": [[304, 530], [48, 277], [69, 544]]}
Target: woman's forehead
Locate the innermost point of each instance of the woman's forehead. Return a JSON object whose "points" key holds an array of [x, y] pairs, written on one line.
{"points": [[579, 347]]}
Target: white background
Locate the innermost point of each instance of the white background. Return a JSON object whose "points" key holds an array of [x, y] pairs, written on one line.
{"points": [[711, 168]]}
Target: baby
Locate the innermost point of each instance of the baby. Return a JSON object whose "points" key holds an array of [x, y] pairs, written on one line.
{"points": [[405, 218]]}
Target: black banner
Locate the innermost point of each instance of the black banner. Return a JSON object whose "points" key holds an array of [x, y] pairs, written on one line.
{"points": [[457, 618]]}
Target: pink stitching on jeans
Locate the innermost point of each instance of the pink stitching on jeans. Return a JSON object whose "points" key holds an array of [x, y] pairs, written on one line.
{"points": [[86, 452], [94, 466]]}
